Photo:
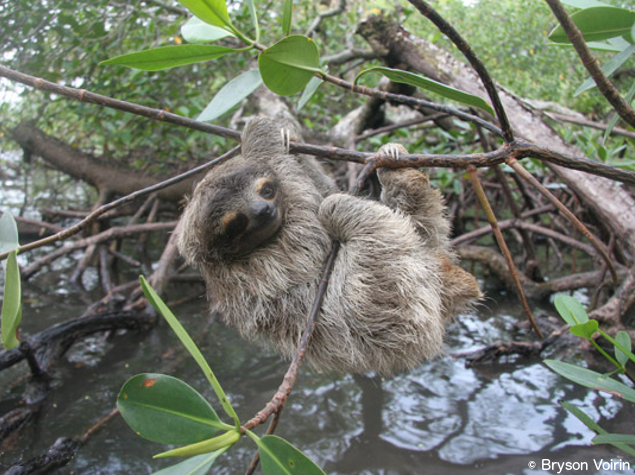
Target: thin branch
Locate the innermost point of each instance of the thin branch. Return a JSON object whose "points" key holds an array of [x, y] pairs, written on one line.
{"points": [[126, 199], [591, 63], [491, 218], [277, 402], [588, 123], [107, 235], [523, 173], [83, 95], [341, 6], [464, 47], [521, 149], [401, 125]]}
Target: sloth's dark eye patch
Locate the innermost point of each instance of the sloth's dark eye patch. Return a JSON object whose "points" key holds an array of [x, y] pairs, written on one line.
{"points": [[266, 188], [235, 224]]}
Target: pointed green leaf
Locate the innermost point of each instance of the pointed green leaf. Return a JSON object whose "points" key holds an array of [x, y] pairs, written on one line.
{"points": [[435, 87], [590, 423], [279, 457], [11, 303], [189, 344], [591, 379], [219, 442], [309, 91], [213, 12], [199, 465], [584, 330], [570, 309], [625, 342], [287, 66], [586, 420], [164, 409], [609, 68], [169, 56], [598, 23], [254, 17], [231, 94], [8, 233], [627, 439], [287, 14], [196, 30]]}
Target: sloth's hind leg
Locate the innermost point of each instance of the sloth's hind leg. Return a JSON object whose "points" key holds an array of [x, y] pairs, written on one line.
{"points": [[408, 190]]}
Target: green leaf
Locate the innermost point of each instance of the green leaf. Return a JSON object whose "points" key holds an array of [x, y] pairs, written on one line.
{"points": [[279, 457], [213, 12], [170, 56], [584, 330], [164, 409], [591, 379], [591, 424], [189, 344], [196, 30], [309, 91], [8, 233], [421, 82], [625, 342], [610, 67], [598, 23], [254, 17], [198, 465], [11, 303], [586, 420], [570, 309], [223, 441], [626, 439], [287, 66], [287, 14], [231, 94]]}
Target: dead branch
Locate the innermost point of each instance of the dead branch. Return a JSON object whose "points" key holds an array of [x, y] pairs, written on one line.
{"points": [[107, 235], [500, 240], [589, 123]]}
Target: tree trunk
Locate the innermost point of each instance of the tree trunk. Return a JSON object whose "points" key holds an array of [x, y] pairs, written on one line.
{"points": [[106, 178]]}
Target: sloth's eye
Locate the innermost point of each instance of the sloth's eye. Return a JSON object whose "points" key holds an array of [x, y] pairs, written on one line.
{"points": [[268, 191]]}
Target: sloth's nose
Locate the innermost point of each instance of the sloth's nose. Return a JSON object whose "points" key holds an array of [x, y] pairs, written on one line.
{"points": [[264, 210]]}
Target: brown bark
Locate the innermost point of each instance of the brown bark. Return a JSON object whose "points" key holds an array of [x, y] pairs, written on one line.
{"points": [[72, 161]]}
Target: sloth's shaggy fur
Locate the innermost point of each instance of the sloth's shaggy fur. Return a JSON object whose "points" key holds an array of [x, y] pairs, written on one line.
{"points": [[393, 286]]}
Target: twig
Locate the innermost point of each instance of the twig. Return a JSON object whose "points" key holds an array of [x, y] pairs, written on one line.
{"points": [[401, 125], [521, 149], [463, 46], [589, 123], [480, 193], [591, 63], [113, 204], [512, 162], [341, 6], [277, 402], [110, 233]]}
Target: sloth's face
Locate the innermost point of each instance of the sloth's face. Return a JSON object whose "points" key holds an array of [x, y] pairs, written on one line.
{"points": [[244, 211]]}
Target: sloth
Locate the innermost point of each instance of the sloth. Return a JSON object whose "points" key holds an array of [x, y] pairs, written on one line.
{"points": [[260, 228]]}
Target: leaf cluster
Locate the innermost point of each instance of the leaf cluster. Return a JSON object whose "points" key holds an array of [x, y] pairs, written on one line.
{"points": [[580, 325]]}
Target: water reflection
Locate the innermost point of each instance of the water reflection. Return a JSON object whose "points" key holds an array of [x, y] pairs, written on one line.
{"points": [[440, 418]]}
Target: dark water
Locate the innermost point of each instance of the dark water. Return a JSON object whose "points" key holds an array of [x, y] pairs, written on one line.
{"points": [[443, 417], [440, 418]]}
